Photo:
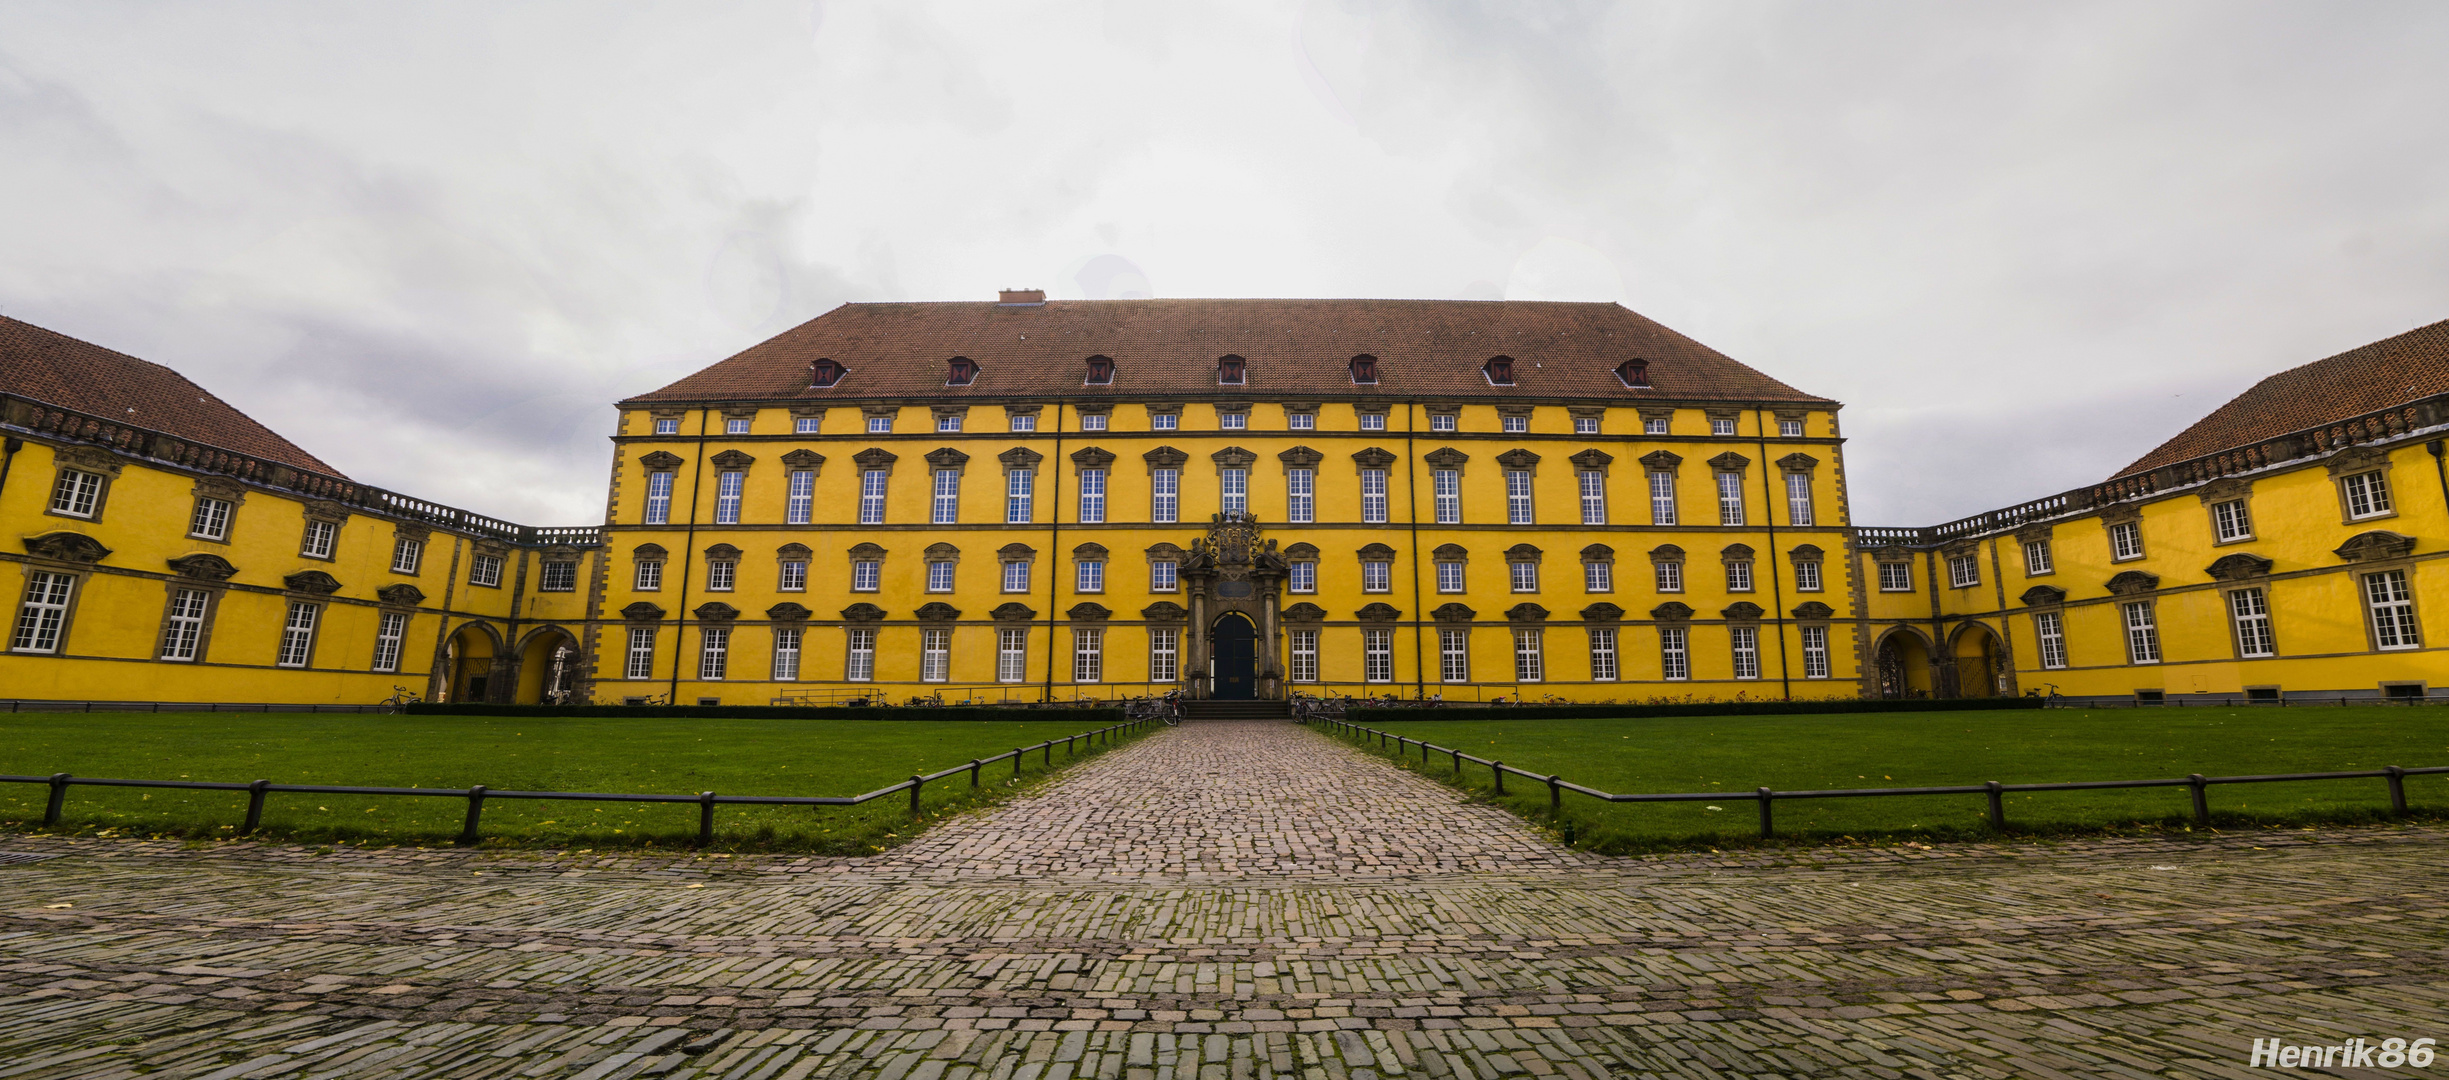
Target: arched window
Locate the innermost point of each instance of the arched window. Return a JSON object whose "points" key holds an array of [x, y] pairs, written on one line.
{"points": [[1500, 370], [961, 371], [1100, 371], [1232, 370], [1365, 370], [1634, 373], [825, 372]]}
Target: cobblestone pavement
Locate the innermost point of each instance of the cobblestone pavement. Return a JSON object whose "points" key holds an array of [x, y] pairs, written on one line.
{"points": [[1219, 902]]}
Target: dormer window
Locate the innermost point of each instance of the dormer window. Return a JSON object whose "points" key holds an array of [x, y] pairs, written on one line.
{"points": [[1100, 371], [1232, 371], [1500, 370], [1365, 370], [1634, 373], [961, 371], [825, 373]]}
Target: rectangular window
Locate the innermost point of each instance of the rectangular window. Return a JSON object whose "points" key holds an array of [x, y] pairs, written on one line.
{"points": [[406, 554], [1016, 577], [2036, 558], [667, 426], [1598, 577], [1305, 655], [1300, 504], [871, 496], [558, 577], [1447, 485], [77, 493], [1518, 497], [806, 425], [1453, 655], [865, 574], [1603, 654], [792, 576], [1163, 421], [859, 664], [485, 570], [947, 423], [1011, 655], [1024, 421], [1670, 576], [1594, 497], [1164, 496], [1789, 429], [1441, 421], [1233, 421], [1162, 576], [321, 536], [944, 507], [1087, 656], [1514, 425], [1815, 652], [2230, 519], [799, 505], [2051, 631], [1372, 421], [1896, 577], [935, 655], [1798, 498], [1373, 496], [1662, 498], [1530, 664], [939, 576], [388, 634], [1301, 421], [1807, 577], [735, 426], [1585, 425], [1164, 655], [1092, 421], [1091, 576], [1745, 644], [649, 576], [1236, 491], [1730, 498], [727, 486], [1739, 575], [211, 520], [1020, 496], [2367, 494], [2253, 636], [2142, 634], [641, 653], [1674, 656], [786, 654], [1721, 427], [719, 574], [2393, 610], [713, 652], [1963, 571], [1302, 577], [1092, 496], [880, 425], [186, 627], [1654, 425], [1374, 577], [659, 498], [2125, 541], [1378, 656], [1525, 576], [1449, 577], [298, 634]]}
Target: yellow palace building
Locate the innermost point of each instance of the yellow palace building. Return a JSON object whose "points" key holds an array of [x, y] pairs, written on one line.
{"points": [[1030, 500]]}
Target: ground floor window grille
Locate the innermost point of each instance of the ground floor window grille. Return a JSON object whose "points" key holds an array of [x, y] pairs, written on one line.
{"points": [[1674, 653], [2393, 610], [1746, 643], [298, 634], [714, 652], [45, 612], [1603, 655], [387, 637], [1530, 664], [1378, 655], [641, 653], [2142, 634], [1011, 655], [1453, 655], [935, 655], [2051, 630], [786, 655], [187, 626], [2253, 636], [1087, 656], [1815, 652], [1305, 655], [860, 664], [1164, 657]]}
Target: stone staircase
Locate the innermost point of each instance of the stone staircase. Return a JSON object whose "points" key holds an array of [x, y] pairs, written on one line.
{"points": [[1236, 710]]}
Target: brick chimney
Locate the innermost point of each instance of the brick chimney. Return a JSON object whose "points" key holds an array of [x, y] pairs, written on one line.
{"points": [[1020, 297]]}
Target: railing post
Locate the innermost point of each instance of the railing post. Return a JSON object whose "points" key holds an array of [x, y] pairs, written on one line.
{"points": [[1016, 763], [2202, 802], [2397, 790], [1050, 753], [1458, 762], [1556, 797], [1498, 767], [1998, 809], [705, 818], [256, 793], [915, 783], [1767, 830], [476, 811], [974, 769], [59, 795]]}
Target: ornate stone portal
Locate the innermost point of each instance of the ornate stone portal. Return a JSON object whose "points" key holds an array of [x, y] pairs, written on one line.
{"points": [[1232, 569]]}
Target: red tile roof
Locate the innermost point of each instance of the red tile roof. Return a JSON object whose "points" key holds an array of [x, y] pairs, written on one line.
{"points": [[1167, 349], [62, 371], [2390, 372]]}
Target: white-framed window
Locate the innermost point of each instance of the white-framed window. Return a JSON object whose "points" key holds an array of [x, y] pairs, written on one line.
{"points": [[1514, 425], [1662, 498], [2125, 541], [713, 652], [1377, 656], [1730, 498], [1011, 655], [557, 576], [1300, 495], [1019, 496], [947, 423], [1164, 496], [935, 655], [1023, 421], [1016, 577], [1375, 576], [721, 574], [1670, 575], [1373, 496], [1301, 577], [939, 575], [1449, 577], [1092, 421], [389, 633], [1091, 577], [1164, 654], [1744, 643], [859, 662], [1524, 575], [186, 627], [1963, 571], [1530, 662], [667, 425], [1164, 421], [871, 496], [1092, 496], [1896, 577], [485, 570], [1594, 497], [1446, 486], [1164, 576], [1087, 656], [727, 485], [1235, 496], [211, 520], [792, 576], [407, 553], [1453, 655], [799, 504], [1739, 575], [1301, 421], [1815, 651], [2036, 558], [1721, 427], [1807, 576], [2142, 633], [298, 634], [659, 498], [1674, 653], [806, 425], [1441, 421], [865, 574], [649, 577], [1798, 498], [2393, 610], [1789, 429], [786, 653], [1518, 497], [1598, 577], [2367, 494], [735, 425], [641, 663], [2051, 631], [1304, 655], [880, 425], [2230, 520], [2252, 615], [944, 507], [1653, 425], [1233, 421], [321, 538], [1603, 654], [1373, 421], [1585, 425]]}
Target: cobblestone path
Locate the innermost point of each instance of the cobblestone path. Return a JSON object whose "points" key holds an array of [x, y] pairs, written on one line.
{"points": [[1226, 902]]}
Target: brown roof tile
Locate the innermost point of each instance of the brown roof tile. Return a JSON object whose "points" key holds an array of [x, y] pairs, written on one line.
{"points": [[60, 370], [2389, 372], [1167, 349]]}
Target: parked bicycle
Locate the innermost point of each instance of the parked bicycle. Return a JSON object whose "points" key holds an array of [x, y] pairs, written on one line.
{"points": [[400, 697]]}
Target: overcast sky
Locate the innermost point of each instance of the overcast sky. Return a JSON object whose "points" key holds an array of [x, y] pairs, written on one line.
{"points": [[432, 242]]}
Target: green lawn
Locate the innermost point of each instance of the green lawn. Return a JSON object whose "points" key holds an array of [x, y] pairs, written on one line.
{"points": [[658, 756], [1738, 754]]}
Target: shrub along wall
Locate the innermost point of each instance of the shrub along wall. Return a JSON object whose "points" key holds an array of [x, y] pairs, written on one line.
{"points": [[1366, 714], [1086, 716]]}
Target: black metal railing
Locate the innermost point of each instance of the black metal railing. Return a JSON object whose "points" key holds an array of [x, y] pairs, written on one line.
{"points": [[259, 792], [1993, 790], [40, 705]]}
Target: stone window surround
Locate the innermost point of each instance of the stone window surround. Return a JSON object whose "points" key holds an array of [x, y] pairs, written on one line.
{"points": [[2230, 489], [865, 551], [794, 552], [647, 553], [1812, 554], [2355, 461], [2030, 534], [1656, 412], [328, 512], [211, 487], [84, 459], [2123, 513], [404, 531], [211, 579]]}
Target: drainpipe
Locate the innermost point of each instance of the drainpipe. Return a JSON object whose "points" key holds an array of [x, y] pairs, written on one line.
{"points": [[2439, 468], [8, 457], [1411, 485], [680, 641], [1768, 517], [1054, 544]]}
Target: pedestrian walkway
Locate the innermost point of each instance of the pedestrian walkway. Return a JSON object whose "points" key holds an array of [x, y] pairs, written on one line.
{"points": [[1219, 902]]}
